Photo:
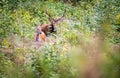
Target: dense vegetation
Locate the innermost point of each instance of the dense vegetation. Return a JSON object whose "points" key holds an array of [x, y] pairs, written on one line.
{"points": [[86, 44]]}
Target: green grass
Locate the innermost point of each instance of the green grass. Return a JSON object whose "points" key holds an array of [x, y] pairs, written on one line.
{"points": [[80, 47]]}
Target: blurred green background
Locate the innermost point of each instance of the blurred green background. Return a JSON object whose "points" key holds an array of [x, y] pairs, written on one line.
{"points": [[86, 45]]}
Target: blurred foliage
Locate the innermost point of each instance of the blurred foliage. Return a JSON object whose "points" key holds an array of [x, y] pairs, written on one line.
{"points": [[84, 19]]}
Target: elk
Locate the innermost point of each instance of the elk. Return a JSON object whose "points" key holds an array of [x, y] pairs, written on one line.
{"points": [[39, 34], [43, 29]]}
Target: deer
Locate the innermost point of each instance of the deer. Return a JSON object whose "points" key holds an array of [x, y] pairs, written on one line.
{"points": [[43, 30]]}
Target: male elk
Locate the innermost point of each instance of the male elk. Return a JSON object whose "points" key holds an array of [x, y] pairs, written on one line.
{"points": [[43, 29]]}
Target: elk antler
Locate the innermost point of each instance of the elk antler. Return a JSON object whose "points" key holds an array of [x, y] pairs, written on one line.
{"points": [[61, 18], [50, 17], [55, 21]]}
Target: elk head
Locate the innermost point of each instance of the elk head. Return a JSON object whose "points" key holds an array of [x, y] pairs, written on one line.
{"points": [[53, 22]]}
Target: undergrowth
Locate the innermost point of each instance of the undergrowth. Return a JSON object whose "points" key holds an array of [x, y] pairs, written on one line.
{"points": [[81, 47]]}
